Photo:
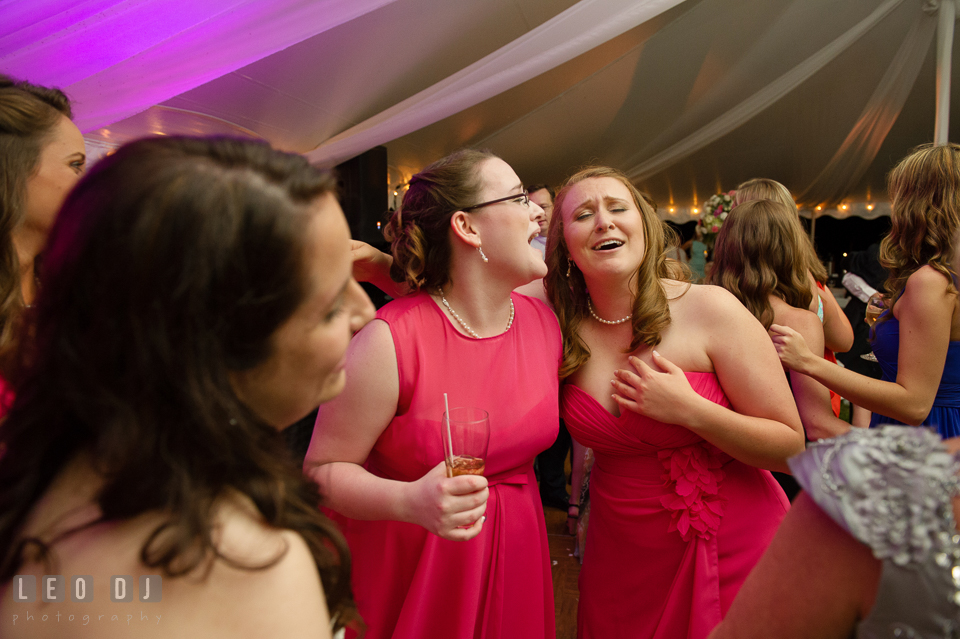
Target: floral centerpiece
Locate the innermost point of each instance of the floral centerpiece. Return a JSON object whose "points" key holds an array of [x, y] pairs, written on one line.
{"points": [[715, 211]]}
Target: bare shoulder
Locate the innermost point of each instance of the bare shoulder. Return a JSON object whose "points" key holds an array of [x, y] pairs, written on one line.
{"points": [[374, 335], [371, 363], [799, 319], [927, 295], [712, 304], [927, 280], [265, 583]]}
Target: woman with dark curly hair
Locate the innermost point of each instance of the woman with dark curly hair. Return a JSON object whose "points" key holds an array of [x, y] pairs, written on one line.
{"points": [[461, 557], [917, 339], [41, 158], [197, 298]]}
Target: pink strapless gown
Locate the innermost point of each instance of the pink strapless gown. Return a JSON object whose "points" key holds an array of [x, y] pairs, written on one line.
{"points": [[411, 584], [675, 524]]}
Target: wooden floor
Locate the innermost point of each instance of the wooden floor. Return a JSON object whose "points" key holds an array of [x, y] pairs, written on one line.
{"points": [[566, 569]]}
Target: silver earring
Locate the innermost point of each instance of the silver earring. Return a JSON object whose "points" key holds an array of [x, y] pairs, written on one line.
{"points": [[568, 268], [482, 256]]}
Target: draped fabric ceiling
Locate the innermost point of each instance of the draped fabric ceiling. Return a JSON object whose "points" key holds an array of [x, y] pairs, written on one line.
{"points": [[689, 97]]}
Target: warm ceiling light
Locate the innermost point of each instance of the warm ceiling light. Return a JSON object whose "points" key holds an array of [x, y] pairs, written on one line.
{"points": [[869, 207], [696, 210], [819, 208]]}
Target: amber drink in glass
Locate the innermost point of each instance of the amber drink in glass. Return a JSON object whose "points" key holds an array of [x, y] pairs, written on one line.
{"points": [[465, 449]]}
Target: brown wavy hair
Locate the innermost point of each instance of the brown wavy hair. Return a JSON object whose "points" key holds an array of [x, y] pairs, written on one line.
{"points": [[651, 313], [171, 264], [421, 226], [28, 115], [759, 253], [924, 193], [767, 189]]}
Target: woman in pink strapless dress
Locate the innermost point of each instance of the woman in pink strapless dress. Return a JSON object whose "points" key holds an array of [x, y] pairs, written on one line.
{"points": [[681, 510], [461, 557], [675, 523]]}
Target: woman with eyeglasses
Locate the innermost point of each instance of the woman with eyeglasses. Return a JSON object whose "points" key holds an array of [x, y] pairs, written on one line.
{"points": [[437, 556]]}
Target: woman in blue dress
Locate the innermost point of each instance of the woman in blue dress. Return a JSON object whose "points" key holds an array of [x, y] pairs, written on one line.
{"points": [[917, 339]]}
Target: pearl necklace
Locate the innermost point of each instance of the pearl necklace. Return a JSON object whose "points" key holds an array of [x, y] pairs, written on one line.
{"points": [[466, 326], [603, 321]]}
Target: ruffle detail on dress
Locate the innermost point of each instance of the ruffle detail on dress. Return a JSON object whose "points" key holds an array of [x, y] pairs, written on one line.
{"points": [[693, 475], [891, 486]]}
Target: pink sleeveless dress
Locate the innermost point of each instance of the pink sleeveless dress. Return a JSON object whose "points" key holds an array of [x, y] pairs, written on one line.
{"points": [[411, 584], [675, 523]]}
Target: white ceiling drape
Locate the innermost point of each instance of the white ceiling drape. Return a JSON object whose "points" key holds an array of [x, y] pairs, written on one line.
{"points": [[116, 58], [689, 97], [656, 160], [582, 27]]}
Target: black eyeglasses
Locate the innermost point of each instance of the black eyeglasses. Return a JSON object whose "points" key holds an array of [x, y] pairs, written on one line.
{"points": [[522, 198]]}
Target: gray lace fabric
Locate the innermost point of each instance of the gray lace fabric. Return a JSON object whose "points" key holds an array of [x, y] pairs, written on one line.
{"points": [[891, 488]]}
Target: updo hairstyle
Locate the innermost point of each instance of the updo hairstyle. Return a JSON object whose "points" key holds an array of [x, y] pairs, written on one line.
{"points": [[420, 227]]}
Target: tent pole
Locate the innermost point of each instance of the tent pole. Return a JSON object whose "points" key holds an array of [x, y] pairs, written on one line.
{"points": [[947, 19]]}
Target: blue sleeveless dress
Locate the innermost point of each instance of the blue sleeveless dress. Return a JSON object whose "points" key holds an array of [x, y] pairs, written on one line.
{"points": [[945, 414]]}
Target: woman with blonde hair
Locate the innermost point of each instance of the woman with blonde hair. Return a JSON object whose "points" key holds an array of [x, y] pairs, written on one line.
{"points": [[759, 257], [461, 557], [681, 510], [916, 339]]}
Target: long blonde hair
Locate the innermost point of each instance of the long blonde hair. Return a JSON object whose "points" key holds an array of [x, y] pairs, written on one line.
{"points": [[925, 217], [767, 189], [567, 289]]}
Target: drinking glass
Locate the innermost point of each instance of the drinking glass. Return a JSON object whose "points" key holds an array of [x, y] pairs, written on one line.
{"points": [[875, 306], [465, 441]]}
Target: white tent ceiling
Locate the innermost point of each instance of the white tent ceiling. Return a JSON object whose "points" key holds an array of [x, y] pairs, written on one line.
{"points": [[699, 95]]}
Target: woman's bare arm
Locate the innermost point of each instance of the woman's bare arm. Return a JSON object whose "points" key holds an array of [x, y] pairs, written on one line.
{"points": [[373, 266], [762, 428], [348, 427], [813, 399], [925, 311], [837, 332]]}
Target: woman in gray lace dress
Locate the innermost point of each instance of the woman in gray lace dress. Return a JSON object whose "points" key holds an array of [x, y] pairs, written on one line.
{"points": [[871, 548]]}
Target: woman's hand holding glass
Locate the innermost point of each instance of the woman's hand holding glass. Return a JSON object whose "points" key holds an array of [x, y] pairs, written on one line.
{"points": [[875, 306], [449, 507]]}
